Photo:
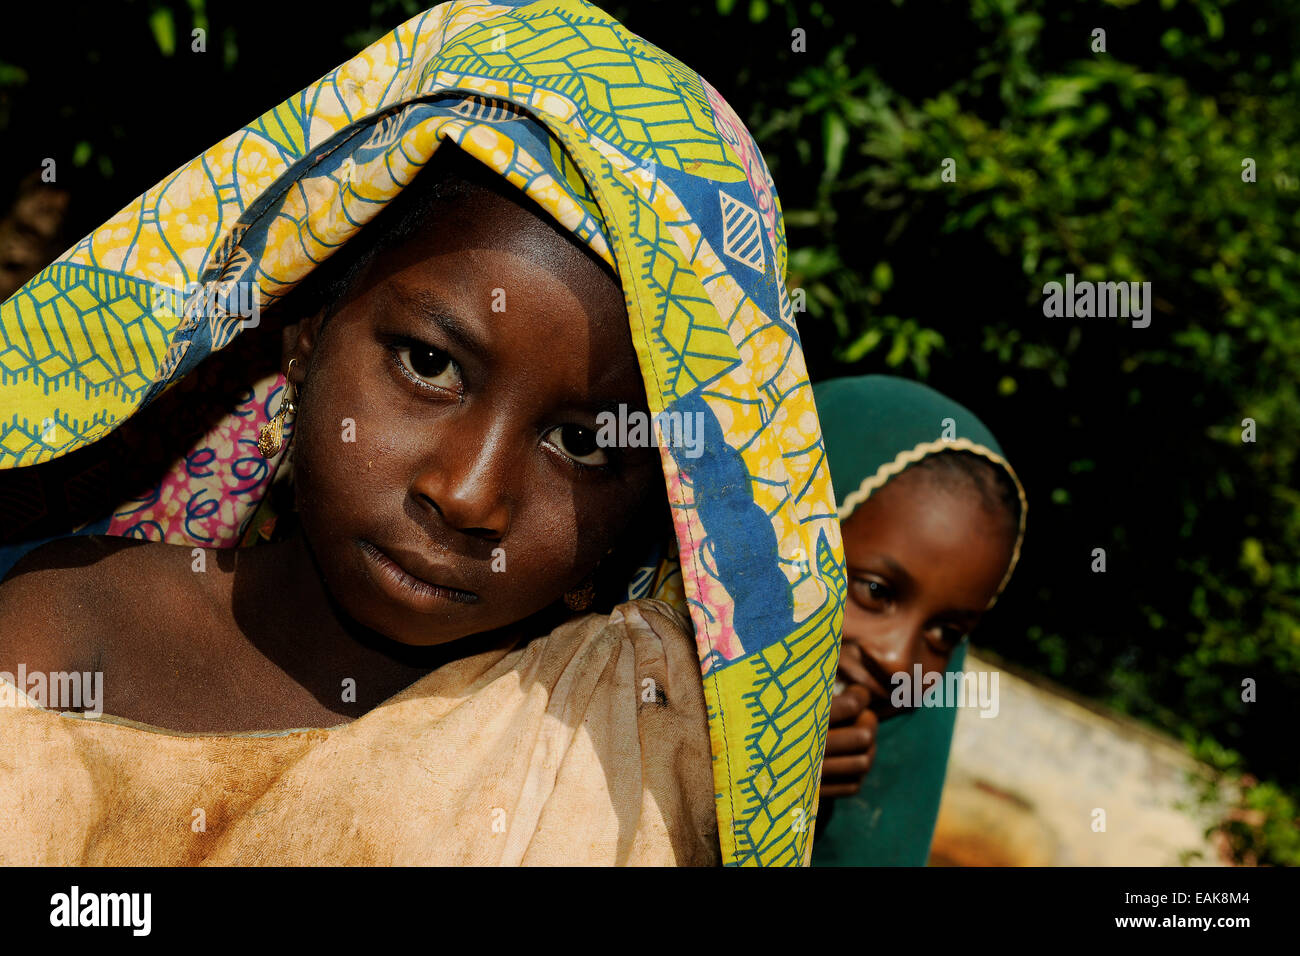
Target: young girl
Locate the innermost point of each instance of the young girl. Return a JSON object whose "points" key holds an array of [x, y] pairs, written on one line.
{"points": [[933, 517], [455, 632]]}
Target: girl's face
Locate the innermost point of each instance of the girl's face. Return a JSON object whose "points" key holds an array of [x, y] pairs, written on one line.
{"points": [[924, 562], [446, 471]]}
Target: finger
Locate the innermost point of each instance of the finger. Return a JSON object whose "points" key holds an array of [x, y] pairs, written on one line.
{"points": [[868, 720], [845, 708], [861, 693], [853, 765], [849, 740], [852, 663], [832, 791], [848, 769]]}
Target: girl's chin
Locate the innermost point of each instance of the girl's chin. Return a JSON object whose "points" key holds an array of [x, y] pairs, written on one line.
{"points": [[384, 620], [419, 637]]}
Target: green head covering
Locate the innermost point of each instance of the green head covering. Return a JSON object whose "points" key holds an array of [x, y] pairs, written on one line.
{"points": [[874, 427]]}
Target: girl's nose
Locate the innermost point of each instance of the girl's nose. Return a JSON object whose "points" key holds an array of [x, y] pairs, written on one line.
{"points": [[896, 649], [468, 482]]}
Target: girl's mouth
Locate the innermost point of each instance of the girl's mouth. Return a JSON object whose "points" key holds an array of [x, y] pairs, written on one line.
{"points": [[406, 588]]}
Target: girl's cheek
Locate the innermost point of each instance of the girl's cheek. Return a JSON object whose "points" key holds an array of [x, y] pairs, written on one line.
{"points": [[858, 623], [356, 430], [340, 453]]}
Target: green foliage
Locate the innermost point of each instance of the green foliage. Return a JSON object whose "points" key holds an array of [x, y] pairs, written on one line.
{"points": [[1262, 824], [1124, 165], [1265, 828]]}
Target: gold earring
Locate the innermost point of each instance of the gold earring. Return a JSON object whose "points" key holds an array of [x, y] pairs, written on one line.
{"points": [[580, 598], [271, 437]]}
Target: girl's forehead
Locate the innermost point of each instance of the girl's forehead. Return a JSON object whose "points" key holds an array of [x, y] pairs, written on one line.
{"points": [[934, 532], [499, 232], [511, 299], [911, 507]]}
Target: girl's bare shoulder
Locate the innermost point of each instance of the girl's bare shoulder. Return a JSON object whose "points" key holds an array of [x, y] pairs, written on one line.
{"points": [[60, 599]]}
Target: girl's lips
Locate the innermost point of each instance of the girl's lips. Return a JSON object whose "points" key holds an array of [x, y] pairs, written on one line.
{"points": [[405, 588], [868, 676]]}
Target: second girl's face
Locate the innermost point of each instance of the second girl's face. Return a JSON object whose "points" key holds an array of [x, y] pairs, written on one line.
{"points": [[924, 562], [447, 477]]}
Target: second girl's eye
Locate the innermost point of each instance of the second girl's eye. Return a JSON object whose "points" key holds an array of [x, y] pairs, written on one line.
{"points": [[578, 443], [945, 638], [430, 365], [872, 594]]}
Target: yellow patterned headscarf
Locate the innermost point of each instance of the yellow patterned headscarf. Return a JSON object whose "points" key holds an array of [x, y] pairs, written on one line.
{"points": [[641, 159]]}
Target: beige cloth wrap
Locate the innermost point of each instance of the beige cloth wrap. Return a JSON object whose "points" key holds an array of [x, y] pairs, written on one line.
{"points": [[558, 751]]}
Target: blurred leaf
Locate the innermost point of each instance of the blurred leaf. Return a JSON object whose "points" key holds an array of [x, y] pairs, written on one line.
{"points": [[863, 344], [163, 26], [836, 138]]}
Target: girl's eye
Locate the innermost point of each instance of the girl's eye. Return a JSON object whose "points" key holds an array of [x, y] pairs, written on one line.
{"points": [[430, 365], [578, 443], [947, 637], [873, 595]]}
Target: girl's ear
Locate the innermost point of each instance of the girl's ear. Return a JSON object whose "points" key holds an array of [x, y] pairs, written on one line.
{"points": [[298, 341]]}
